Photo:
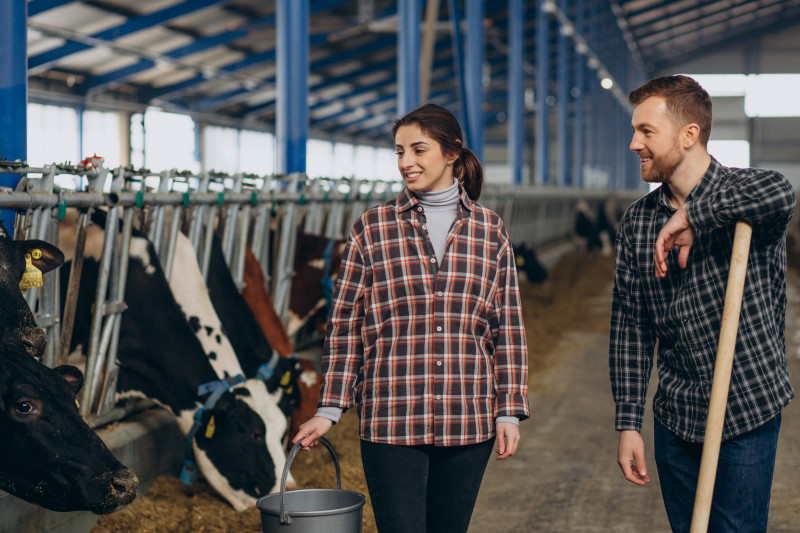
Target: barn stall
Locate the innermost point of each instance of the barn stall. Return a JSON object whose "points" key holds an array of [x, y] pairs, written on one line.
{"points": [[264, 214]]}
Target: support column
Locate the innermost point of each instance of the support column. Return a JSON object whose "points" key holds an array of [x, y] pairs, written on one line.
{"points": [[516, 87], [474, 76], [542, 91], [291, 128], [458, 57], [13, 92], [562, 137], [578, 134], [408, 55]]}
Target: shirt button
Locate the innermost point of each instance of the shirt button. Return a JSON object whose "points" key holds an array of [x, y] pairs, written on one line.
{"points": [[438, 363], [433, 259], [438, 397], [440, 293], [424, 226], [419, 208], [438, 328]]}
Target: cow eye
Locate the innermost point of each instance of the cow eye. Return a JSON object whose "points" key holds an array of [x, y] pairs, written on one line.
{"points": [[24, 407]]}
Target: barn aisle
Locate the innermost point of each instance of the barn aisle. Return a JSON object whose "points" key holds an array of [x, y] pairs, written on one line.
{"points": [[565, 477]]}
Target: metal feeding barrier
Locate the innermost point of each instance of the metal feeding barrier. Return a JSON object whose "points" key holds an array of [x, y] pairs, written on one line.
{"points": [[263, 213]]}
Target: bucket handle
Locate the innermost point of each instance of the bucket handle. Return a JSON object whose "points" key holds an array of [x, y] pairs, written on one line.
{"points": [[286, 518]]}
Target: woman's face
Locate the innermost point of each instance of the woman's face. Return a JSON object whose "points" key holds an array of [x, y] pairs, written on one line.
{"points": [[422, 164]]}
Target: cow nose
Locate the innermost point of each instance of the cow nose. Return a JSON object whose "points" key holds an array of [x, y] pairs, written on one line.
{"points": [[124, 485], [35, 341]]}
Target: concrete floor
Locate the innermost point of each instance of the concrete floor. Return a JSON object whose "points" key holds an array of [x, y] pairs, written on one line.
{"points": [[564, 478]]}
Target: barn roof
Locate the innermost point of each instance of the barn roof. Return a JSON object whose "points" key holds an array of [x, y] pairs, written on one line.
{"points": [[216, 59]]}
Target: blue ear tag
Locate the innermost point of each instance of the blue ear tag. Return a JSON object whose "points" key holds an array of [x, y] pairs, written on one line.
{"points": [[189, 473]]}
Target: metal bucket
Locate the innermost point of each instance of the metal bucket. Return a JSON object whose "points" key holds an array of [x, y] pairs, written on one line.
{"points": [[312, 510]]}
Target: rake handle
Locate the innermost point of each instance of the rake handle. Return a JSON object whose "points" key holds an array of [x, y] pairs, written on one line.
{"points": [[722, 377]]}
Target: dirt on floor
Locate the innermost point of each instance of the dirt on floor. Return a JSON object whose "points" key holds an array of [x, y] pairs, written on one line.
{"points": [[549, 309]]}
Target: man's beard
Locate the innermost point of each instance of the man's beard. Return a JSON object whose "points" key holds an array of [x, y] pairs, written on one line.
{"points": [[662, 167]]}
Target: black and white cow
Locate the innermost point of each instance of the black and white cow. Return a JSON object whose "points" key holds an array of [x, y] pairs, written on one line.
{"points": [[161, 358], [192, 294], [48, 455]]}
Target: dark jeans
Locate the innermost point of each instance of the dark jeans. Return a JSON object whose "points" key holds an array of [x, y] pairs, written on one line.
{"points": [[742, 487], [415, 489]]}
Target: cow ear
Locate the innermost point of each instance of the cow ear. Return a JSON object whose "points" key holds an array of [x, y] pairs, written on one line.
{"points": [[73, 377], [44, 255]]}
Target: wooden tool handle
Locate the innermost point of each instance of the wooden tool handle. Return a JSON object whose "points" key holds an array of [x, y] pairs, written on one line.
{"points": [[722, 378]]}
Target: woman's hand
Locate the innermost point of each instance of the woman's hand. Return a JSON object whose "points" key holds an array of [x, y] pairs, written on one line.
{"points": [[311, 430], [507, 439]]}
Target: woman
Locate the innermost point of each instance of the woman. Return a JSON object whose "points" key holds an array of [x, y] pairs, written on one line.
{"points": [[426, 336]]}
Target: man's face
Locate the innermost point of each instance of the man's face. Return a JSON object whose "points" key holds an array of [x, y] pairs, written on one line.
{"points": [[655, 140]]}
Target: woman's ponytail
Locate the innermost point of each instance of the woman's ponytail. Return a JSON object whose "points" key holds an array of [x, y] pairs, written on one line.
{"points": [[469, 171]]}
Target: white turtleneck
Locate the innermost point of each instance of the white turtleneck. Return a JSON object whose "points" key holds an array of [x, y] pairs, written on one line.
{"points": [[440, 212]]}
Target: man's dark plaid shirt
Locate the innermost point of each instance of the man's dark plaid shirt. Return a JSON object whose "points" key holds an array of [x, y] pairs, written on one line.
{"points": [[430, 353], [684, 310]]}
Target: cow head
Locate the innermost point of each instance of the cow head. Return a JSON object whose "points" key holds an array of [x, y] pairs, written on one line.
{"points": [[16, 319], [48, 455], [231, 450]]}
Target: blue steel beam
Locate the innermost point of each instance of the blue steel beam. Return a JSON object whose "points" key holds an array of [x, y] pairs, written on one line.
{"points": [[39, 6], [178, 88], [562, 112], [291, 126], [542, 139], [474, 76], [458, 55], [200, 45], [350, 78], [578, 133], [443, 76], [13, 93], [218, 100], [132, 25], [516, 111], [408, 53]]}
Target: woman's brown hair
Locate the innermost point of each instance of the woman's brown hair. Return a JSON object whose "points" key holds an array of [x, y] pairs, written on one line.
{"points": [[440, 124]]}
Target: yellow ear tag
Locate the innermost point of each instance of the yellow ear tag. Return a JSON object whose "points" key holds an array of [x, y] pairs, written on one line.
{"points": [[32, 276], [210, 427], [520, 261], [285, 378], [77, 404], [288, 390]]}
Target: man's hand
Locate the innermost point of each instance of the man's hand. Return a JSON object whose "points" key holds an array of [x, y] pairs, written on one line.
{"points": [[630, 457], [507, 439], [676, 232], [311, 430]]}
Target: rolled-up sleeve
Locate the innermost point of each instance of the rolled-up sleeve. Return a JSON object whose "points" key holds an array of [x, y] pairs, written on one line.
{"points": [[764, 198], [511, 351]]}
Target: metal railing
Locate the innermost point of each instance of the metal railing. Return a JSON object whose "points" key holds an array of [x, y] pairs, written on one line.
{"points": [[264, 213]]}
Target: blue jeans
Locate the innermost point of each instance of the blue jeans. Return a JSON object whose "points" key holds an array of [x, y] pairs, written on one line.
{"points": [[415, 489], [742, 487]]}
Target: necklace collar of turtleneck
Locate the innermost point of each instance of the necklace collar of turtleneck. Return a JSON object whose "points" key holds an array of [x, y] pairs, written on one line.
{"points": [[445, 197]]}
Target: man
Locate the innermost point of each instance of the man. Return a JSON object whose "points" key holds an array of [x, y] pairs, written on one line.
{"points": [[673, 254]]}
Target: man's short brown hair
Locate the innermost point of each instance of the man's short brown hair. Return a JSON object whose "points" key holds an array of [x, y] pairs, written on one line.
{"points": [[686, 100]]}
